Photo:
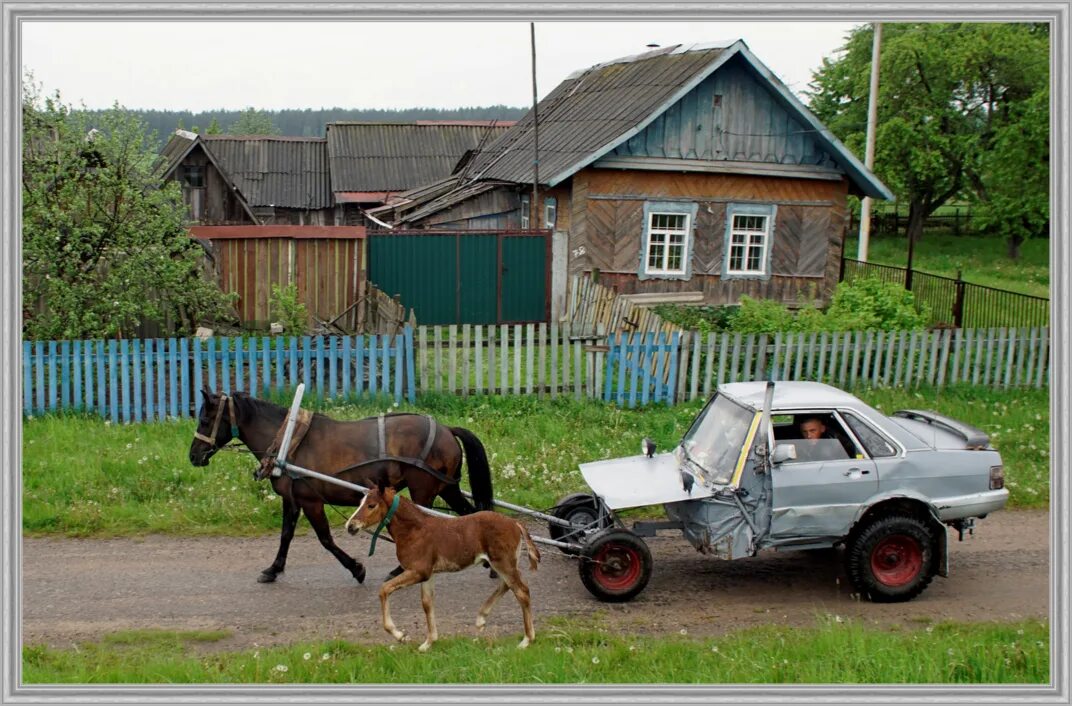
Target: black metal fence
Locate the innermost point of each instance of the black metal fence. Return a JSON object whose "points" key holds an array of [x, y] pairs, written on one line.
{"points": [[960, 221], [954, 302]]}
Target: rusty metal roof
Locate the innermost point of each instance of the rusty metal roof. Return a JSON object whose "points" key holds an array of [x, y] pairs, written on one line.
{"points": [[368, 157], [285, 172]]}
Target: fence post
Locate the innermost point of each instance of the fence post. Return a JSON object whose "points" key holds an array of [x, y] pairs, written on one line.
{"points": [[958, 302]]}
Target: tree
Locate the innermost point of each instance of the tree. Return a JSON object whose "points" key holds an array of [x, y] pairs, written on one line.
{"points": [[945, 94], [214, 127], [253, 122], [104, 242]]}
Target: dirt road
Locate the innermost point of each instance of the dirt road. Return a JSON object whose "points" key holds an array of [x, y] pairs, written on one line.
{"points": [[75, 590]]}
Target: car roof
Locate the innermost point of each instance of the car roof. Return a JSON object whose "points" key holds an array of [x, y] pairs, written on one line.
{"points": [[790, 394]]}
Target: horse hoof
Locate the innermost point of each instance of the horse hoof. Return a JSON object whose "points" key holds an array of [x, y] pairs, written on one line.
{"points": [[266, 577], [394, 572], [359, 574]]}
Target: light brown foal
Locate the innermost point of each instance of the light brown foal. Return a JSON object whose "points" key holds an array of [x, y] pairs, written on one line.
{"points": [[426, 545]]}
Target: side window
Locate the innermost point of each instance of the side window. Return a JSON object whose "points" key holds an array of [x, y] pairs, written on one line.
{"points": [[525, 211], [817, 436], [667, 239], [873, 442], [749, 233], [550, 212]]}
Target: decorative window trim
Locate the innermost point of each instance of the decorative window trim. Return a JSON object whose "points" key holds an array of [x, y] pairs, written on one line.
{"points": [[673, 208], [739, 209]]}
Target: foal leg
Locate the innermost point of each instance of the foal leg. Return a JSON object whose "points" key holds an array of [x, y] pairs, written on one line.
{"points": [[512, 578], [482, 615], [319, 521], [291, 513], [427, 596], [406, 578]]}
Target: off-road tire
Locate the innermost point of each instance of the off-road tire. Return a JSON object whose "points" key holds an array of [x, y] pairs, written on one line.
{"points": [[892, 558], [615, 565]]}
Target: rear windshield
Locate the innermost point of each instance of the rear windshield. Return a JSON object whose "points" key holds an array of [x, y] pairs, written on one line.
{"points": [[714, 442]]}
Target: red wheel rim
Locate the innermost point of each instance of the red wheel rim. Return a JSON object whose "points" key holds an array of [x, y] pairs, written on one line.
{"points": [[896, 560], [617, 567]]}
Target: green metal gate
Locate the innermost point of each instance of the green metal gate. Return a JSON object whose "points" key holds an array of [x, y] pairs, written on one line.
{"points": [[464, 277]]}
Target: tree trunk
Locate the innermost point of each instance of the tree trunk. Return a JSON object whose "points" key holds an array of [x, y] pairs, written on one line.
{"points": [[916, 214], [1013, 246]]}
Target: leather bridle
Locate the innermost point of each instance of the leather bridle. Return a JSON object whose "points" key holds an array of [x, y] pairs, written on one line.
{"points": [[211, 440]]}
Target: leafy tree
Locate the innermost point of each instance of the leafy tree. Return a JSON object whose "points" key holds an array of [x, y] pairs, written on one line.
{"points": [[949, 95], [214, 127], [104, 242], [253, 122]]}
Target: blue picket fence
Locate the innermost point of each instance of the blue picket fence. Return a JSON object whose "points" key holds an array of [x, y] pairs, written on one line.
{"points": [[147, 379], [641, 368]]}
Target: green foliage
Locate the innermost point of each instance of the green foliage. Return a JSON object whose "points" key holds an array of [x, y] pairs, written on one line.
{"points": [[253, 122], [104, 240], [870, 304], [960, 110], [704, 319], [762, 316], [834, 650], [285, 307]]}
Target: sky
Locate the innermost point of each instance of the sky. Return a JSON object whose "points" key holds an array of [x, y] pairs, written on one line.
{"points": [[274, 65]]}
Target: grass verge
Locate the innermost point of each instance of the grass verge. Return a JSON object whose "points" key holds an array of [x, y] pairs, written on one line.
{"points": [[84, 477], [832, 652]]}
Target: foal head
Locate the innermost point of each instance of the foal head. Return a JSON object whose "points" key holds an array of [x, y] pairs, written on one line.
{"points": [[372, 510]]}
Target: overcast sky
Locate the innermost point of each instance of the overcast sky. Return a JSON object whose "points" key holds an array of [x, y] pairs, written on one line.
{"points": [[273, 65]]}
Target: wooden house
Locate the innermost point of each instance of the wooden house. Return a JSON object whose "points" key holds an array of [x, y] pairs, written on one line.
{"points": [[688, 173]]}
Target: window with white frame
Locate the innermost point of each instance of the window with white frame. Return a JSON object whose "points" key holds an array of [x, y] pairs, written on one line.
{"points": [[667, 239], [525, 211], [550, 212], [749, 240]]}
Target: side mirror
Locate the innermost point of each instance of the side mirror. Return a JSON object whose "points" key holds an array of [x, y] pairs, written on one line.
{"points": [[784, 452]]}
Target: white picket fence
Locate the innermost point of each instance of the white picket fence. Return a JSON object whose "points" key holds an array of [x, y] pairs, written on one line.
{"points": [[546, 359]]}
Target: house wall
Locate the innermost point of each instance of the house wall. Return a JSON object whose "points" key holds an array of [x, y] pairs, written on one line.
{"points": [[607, 231], [219, 205]]}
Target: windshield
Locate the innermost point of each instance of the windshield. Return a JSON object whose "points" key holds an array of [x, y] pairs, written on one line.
{"points": [[714, 442]]}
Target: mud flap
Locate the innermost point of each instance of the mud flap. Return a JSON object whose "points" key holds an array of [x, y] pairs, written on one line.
{"points": [[943, 552]]}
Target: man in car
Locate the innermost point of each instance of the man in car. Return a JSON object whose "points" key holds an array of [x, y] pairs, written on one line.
{"points": [[820, 443]]}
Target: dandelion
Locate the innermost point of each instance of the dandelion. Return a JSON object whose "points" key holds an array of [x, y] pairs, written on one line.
{"points": [[325, 657], [714, 648], [559, 649], [950, 651], [684, 631], [281, 668], [307, 656], [632, 648], [595, 660], [1020, 631], [930, 628], [838, 619], [130, 446]]}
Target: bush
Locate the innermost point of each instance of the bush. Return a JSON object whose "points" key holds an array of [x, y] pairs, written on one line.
{"points": [[870, 303], [704, 319], [286, 309]]}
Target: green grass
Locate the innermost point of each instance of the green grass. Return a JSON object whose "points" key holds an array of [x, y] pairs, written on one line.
{"points": [[835, 651], [980, 260], [84, 477]]}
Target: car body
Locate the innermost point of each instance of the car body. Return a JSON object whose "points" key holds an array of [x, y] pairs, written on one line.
{"points": [[744, 479]]}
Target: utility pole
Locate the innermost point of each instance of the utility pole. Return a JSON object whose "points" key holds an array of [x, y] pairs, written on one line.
{"points": [[869, 155], [534, 206]]}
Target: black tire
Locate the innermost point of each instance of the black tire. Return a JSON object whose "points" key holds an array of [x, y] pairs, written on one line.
{"points": [[892, 559], [615, 565], [578, 509]]}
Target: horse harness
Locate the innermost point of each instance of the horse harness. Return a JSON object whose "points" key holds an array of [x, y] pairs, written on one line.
{"points": [[211, 438]]}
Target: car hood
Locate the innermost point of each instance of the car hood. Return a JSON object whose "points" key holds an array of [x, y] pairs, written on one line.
{"points": [[638, 481]]}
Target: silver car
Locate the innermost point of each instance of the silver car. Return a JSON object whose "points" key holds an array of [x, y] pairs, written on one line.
{"points": [[793, 465]]}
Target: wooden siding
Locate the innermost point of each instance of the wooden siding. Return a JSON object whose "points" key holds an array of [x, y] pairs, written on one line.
{"points": [[731, 115], [326, 272], [607, 216], [219, 204]]}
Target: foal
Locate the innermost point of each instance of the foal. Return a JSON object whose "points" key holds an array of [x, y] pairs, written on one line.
{"points": [[426, 545]]}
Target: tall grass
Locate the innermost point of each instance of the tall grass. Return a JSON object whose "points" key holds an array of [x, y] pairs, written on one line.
{"points": [[981, 260], [832, 652], [82, 476]]}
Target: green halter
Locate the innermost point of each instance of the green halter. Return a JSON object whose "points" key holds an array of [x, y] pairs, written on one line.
{"points": [[383, 523]]}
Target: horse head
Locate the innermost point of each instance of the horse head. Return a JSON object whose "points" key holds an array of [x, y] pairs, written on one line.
{"points": [[372, 510], [215, 427]]}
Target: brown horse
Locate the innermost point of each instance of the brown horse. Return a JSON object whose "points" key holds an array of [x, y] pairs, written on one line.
{"points": [[426, 545], [366, 452]]}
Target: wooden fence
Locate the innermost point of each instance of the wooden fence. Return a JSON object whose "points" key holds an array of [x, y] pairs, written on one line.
{"points": [[595, 309], [143, 380], [150, 379]]}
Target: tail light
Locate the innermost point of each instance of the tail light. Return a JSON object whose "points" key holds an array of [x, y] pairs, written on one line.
{"points": [[997, 477]]}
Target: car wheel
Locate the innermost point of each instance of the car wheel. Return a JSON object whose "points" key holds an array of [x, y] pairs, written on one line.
{"points": [[892, 559], [580, 510], [615, 565]]}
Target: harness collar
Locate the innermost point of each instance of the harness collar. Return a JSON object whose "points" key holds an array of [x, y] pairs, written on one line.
{"points": [[383, 523], [211, 439]]}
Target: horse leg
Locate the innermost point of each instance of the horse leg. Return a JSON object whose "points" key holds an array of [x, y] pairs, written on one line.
{"points": [[291, 513], [406, 578], [482, 615], [452, 494], [427, 596], [512, 578], [319, 521]]}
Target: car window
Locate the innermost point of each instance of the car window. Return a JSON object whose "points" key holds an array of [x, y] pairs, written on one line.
{"points": [[875, 444], [832, 444]]}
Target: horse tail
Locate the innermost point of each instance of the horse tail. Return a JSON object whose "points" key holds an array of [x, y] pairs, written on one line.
{"points": [[530, 547], [476, 458]]}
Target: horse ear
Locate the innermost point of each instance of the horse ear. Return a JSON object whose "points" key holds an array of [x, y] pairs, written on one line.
{"points": [[206, 393]]}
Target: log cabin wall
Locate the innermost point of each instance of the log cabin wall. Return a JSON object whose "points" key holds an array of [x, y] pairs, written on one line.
{"points": [[607, 218]]}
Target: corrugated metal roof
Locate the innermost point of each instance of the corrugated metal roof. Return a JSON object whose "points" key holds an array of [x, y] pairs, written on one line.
{"points": [[177, 147], [286, 172], [400, 156]]}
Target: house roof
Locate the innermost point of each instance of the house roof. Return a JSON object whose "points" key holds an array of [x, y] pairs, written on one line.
{"points": [[368, 157], [593, 111], [286, 172]]}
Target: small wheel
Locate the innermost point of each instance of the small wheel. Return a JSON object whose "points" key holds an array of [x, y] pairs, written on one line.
{"points": [[892, 559], [579, 509], [615, 565]]}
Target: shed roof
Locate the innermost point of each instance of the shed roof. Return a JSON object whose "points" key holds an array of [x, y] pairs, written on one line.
{"points": [[286, 172], [390, 157], [595, 110]]}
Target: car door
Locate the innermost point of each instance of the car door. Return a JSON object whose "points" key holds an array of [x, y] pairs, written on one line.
{"points": [[815, 497]]}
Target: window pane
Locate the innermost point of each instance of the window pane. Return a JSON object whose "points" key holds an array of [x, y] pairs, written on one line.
{"points": [[736, 258], [655, 256], [876, 446]]}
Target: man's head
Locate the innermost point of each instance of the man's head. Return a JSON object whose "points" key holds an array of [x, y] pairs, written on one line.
{"points": [[812, 428]]}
